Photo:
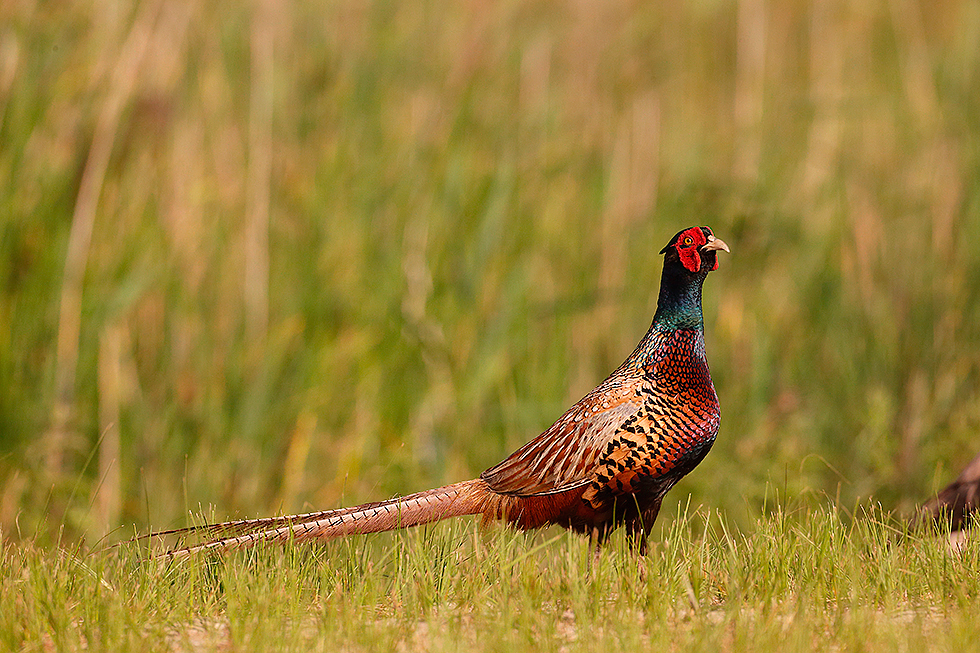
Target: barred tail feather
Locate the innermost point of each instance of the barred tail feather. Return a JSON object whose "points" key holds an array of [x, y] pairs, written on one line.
{"points": [[465, 498]]}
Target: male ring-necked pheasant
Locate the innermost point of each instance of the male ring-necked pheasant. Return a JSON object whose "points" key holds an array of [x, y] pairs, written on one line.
{"points": [[609, 460]]}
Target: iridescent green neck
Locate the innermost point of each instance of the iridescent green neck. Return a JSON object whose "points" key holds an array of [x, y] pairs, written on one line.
{"points": [[679, 305]]}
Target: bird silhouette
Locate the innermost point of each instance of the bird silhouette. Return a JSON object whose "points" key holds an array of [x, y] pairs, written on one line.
{"points": [[955, 503], [607, 461]]}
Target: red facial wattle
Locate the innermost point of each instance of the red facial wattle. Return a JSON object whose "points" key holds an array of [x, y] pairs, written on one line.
{"points": [[688, 245]]}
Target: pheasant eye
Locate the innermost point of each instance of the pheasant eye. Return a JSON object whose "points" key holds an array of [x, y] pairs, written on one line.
{"points": [[688, 241]]}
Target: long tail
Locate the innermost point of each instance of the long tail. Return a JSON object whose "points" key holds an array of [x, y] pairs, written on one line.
{"points": [[465, 498]]}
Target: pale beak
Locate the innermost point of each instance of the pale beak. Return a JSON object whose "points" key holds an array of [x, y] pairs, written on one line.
{"points": [[715, 244]]}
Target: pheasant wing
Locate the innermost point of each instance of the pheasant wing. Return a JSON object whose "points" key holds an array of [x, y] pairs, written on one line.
{"points": [[565, 456]]}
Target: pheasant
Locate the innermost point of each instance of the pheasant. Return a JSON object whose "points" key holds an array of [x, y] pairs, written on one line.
{"points": [[955, 503], [608, 461]]}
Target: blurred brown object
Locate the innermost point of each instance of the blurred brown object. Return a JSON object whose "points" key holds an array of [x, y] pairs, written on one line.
{"points": [[956, 501]]}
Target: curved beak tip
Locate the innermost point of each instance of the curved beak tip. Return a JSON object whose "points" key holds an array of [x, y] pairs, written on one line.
{"points": [[715, 244]]}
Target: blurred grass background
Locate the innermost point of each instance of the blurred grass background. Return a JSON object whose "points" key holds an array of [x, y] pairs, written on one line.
{"points": [[279, 257]]}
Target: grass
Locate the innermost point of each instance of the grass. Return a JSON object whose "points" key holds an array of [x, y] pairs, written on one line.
{"points": [[258, 259], [455, 238], [808, 579]]}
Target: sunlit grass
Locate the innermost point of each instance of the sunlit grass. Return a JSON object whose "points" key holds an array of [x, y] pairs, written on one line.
{"points": [[800, 581], [464, 210]]}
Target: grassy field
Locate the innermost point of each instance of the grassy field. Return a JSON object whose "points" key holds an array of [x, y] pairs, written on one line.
{"points": [[258, 258], [801, 581]]}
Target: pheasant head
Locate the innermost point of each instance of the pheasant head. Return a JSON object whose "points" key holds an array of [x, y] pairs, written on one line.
{"points": [[688, 258], [695, 248]]}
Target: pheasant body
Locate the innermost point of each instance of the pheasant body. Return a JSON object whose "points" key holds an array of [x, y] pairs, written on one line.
{"points": [[608, 461], [650, 423]]}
